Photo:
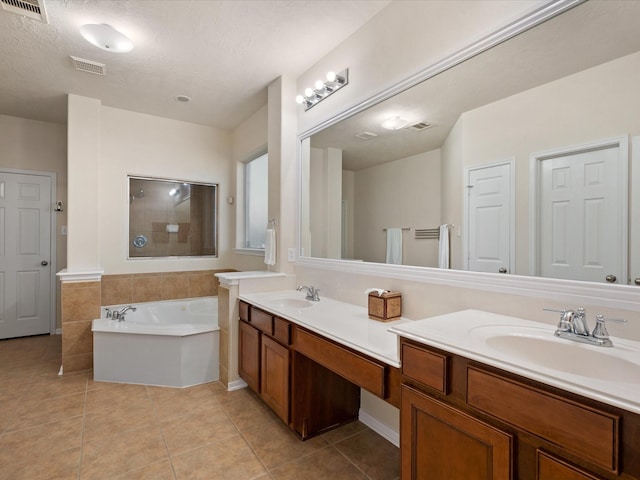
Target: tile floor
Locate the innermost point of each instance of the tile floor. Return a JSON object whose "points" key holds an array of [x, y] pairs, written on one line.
{"points": [[71, 427]]}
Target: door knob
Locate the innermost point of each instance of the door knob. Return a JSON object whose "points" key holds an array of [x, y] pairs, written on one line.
{"points": [[610, 278], [44, 263], [502, 270]]}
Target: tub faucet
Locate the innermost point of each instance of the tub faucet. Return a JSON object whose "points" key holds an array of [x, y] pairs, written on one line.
{"points": [[312, 292], [119, 314]]}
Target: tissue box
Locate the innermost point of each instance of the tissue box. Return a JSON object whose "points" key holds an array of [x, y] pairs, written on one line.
{"points": [[385, 307]]}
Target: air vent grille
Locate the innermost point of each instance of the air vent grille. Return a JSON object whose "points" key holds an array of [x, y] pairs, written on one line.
{"points": [[366, 135], [89, 66], [416, 127], [28, 8]]}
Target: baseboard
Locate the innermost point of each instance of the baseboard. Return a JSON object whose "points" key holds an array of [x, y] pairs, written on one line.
{"points": [[379, 427], [236, 385]]}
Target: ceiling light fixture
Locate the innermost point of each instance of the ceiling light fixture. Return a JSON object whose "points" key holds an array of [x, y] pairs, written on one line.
{"points": [[106, 37], [323, 88], [394, 123]]}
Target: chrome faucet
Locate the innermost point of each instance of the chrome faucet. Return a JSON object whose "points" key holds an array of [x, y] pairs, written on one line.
{"points": [[573, 326], [312, 292], [119, 314]]}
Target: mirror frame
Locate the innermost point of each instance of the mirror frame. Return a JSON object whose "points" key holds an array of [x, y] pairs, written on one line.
{"points": [[569, 291]]}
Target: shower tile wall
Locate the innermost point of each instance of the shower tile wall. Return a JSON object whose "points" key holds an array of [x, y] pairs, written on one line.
{"points": [[81, 303]]}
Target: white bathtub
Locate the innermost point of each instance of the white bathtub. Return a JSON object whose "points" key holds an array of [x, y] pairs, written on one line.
{"points": [[172, 343]]}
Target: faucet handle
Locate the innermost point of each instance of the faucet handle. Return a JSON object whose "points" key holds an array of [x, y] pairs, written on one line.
{"points": [[566, 318], [600, 330]]}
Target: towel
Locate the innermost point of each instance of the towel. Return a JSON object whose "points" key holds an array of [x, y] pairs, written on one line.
{"points": [[394, 245], [443, 247], [270, 247]]}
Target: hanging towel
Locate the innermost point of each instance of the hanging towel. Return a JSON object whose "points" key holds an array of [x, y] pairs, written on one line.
{"points": [[443, 247], [394, 245], [270, 247]]}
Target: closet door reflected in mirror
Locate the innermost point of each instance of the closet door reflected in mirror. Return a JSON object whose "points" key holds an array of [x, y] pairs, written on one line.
{"points": [[172, 218]]}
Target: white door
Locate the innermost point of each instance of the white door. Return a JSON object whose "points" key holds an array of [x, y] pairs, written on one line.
{"points": [[581, 226], [489, 218], [25, 270]]}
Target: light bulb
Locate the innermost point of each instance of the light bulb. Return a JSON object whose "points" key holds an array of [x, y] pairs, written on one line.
{"points": [[331, 76], [319, 85], [308, 92], [299, 99]]}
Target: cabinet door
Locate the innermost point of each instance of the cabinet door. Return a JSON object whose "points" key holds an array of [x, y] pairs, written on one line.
{"points": [[274, 377], [249, 355], [551, 468], [439, 442]]}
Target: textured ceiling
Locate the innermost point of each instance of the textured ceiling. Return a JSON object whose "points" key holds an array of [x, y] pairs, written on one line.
{"points": [[222, 54]]}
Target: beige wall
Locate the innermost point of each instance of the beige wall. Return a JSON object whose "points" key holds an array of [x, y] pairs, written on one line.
{"points": [[403, 193], [107, 144], [249, 139]]}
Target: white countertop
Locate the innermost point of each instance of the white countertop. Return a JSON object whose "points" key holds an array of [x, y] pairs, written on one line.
{"points": [[233, 278], [342, 322], [586, 370]]}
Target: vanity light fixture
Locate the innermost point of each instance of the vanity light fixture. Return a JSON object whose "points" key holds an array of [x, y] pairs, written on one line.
{"points": [[106, 37], [394, 123], [323, 88]]}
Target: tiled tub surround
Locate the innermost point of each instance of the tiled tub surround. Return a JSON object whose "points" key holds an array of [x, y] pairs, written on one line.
{"points": [[81, 301]]}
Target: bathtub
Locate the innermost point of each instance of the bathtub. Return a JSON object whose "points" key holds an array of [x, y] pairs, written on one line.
{"points": [[171, 343]]}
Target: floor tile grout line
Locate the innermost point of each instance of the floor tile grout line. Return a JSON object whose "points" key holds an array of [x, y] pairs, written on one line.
{"points": [[164, 440], [350, 461], [84, 420]]}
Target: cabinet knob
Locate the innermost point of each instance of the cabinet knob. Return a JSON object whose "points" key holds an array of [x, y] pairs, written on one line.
{"points": [[502, 270], [637, 281], [611, 278], [44, 263]]}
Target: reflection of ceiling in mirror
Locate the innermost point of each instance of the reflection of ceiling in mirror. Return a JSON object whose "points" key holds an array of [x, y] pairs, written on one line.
{"points": [[588, 35]]}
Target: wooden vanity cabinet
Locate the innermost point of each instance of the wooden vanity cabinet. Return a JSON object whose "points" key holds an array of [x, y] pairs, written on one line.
{"points": [[496, 425], [264, 357]]}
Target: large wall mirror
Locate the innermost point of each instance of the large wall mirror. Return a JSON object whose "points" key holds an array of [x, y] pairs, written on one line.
{"points": [[172, 218], [527, 151]]}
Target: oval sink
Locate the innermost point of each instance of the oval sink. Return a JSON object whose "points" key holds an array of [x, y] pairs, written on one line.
{"points": [[542, 348], [290, 303]]}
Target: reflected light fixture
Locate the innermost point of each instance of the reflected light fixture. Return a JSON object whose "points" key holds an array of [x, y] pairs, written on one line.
{"points": [[106, 37], [323, 88], [394, 123]]}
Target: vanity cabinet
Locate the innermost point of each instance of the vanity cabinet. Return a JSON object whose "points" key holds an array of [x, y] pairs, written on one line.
{"points": [[264, 357], [442, 442], [311, 382], [480, 422]]}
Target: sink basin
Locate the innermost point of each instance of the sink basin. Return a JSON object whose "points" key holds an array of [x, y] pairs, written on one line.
{"points": [[290, 303], [540, 347]]}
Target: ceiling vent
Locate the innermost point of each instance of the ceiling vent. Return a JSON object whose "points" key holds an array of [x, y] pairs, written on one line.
{"points": [[89, 66], [365, 135], [417, 127], [27, 8]]}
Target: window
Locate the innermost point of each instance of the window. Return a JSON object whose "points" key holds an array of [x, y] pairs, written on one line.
{"points": [[255, 201]]}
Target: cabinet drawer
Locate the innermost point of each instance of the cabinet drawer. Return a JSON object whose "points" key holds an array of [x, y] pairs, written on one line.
{"points": [[263, 321], [426, 367], [352, 366], [282, 330], [584, 431]]}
